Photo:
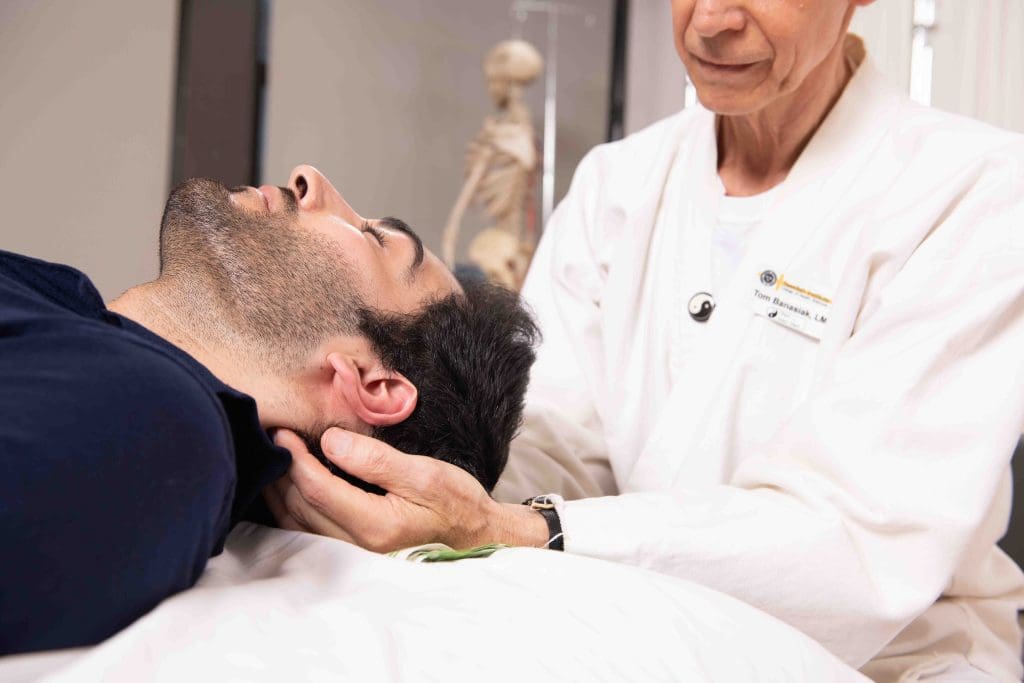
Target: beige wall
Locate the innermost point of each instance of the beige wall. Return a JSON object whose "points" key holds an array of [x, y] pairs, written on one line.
{"points": [[383, 95], [655, 80], [85, 115]]}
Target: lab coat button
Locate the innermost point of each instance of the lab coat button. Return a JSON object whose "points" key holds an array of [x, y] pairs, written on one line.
{"points": [[701, 306]]}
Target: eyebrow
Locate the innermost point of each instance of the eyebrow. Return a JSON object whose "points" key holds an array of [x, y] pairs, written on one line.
{"points": [[398, 225]]}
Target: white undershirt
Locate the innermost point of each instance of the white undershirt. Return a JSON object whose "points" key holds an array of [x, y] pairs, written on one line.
{"points": [[737, 219]]}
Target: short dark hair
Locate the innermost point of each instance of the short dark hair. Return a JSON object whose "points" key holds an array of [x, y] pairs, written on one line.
{"points": [[469, 357]]}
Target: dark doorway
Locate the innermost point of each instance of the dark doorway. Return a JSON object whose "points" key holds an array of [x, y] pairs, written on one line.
{"points": [[221, 75], [617, 87], [1013, 542]]}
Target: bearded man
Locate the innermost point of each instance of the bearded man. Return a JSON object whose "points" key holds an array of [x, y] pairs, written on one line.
{"points": [[135, 435]]}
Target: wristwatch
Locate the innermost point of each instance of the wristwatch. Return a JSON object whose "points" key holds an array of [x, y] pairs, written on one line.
{"points": [[546, 507]]}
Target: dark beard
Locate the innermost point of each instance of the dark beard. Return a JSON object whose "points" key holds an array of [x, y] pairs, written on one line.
{"points": [[279, 287]]}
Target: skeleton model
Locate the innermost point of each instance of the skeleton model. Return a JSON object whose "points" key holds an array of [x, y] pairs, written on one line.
{"points": [[500, 168]]}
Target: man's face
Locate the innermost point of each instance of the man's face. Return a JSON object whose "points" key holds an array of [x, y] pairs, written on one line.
{"points": [[292, 265], [391, 268], [743, 54]]}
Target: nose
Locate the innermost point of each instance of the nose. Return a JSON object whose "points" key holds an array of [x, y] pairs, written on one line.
{"points": [[712, 17], [314, 192]]}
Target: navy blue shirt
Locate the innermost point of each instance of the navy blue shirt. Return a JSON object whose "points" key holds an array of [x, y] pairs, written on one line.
{"points": [[123, 462]]}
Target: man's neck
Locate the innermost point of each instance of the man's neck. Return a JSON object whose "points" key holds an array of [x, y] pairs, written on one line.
{"points": [[757, 151], [169, 312]]}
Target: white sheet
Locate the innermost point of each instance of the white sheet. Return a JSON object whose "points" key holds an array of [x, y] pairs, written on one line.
{"points": [[281, 605]]}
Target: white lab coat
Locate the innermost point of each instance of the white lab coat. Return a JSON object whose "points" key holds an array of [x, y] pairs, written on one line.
{"points": [[853, 487]]}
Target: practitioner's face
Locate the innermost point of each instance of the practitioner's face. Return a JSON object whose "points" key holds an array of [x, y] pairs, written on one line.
{"points": [[743, 54], [293, 264]]}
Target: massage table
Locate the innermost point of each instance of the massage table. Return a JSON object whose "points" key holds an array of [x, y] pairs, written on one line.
{"points": [[287, 606]]}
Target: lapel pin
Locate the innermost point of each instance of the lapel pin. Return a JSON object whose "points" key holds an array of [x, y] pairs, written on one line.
{"points": [[701, 306]]}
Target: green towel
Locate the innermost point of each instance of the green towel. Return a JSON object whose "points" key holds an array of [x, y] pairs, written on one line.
{"points": [[439, 552]]}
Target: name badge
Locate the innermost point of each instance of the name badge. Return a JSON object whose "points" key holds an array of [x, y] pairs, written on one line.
{"points": [[791, 305]]}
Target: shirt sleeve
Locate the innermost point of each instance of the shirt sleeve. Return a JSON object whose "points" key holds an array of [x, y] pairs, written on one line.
{"points": [[561, 448], [118, 482], [854, 518]]}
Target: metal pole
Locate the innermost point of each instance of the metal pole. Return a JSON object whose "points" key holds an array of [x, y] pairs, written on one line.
{"points": [[617, 88], [550, 120], [921, 52], [520, 9]]}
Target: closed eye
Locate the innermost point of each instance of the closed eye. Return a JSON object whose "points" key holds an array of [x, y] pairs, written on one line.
{"points": [[377, 234]]}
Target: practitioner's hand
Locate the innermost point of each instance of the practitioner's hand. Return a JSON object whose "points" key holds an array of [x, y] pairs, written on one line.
{"points": [[428, 501]]}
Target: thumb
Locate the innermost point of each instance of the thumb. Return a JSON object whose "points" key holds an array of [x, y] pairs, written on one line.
{"points": [[373, 461]]}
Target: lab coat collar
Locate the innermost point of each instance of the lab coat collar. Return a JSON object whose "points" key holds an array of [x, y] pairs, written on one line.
{"points": [[826, 171]]}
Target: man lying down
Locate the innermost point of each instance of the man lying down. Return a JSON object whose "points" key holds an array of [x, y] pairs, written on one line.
{"points": [[134, 436]]}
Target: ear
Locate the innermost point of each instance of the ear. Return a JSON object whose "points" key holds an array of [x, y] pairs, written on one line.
{"points": [[376, 396]]}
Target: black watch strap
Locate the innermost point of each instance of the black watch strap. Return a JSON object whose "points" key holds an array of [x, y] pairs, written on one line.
{"points": [[546, 507]]}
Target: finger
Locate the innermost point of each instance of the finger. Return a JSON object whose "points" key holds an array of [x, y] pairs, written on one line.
{"points": [[281, 486], [373, 461], [283, 518], [318, 500], [332, 506], [329, 500], [290, 524], [276, 493], [310, 518], [302, 512], [316, 481], [286, 438], [275, 502], [292, 511]]}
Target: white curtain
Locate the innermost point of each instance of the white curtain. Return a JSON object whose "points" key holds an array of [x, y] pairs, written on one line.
{"points": [[886, 28], [979, 60]]}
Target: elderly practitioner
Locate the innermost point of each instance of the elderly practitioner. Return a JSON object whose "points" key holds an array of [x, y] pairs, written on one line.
{"points": [[130, 439], [783, 357]]}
